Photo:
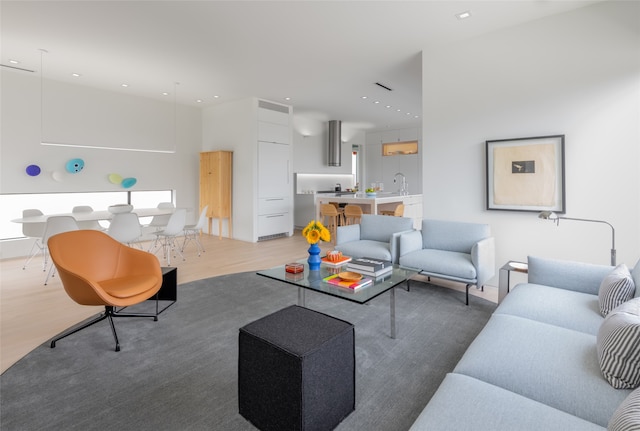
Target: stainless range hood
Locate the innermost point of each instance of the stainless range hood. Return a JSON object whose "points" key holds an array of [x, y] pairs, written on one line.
{"points": [[335, 143]]}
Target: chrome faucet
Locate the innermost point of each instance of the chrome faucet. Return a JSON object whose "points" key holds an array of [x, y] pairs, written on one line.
{"points": [[403, 185]]}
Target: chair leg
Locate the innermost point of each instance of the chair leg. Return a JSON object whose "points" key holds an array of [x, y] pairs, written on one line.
{"points": [[32, 253], [100, 318], [113, 329], [468, 285], [52, 272]]}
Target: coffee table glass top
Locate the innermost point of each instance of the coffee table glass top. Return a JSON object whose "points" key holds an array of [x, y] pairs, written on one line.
{"points": [[312, 280]]}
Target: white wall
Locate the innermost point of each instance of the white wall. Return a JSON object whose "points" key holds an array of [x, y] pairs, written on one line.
{"points": [[310, 146], [20, 145], [576, 74]]}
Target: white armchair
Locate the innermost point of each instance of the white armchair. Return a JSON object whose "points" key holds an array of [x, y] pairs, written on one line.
{"points": [[456, 251]]}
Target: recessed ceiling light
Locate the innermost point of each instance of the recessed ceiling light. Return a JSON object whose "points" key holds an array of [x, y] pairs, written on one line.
{"points": [[376, 102], [388, 106], [198, 100], [76, 75], [216, 96], [14, 62], [363, 97], [463, 15], [398, 110], [124, 85], [287, 98], [164, 93]]}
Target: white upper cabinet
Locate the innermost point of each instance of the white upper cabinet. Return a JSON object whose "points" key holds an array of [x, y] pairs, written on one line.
{"points": [[273, 132]]}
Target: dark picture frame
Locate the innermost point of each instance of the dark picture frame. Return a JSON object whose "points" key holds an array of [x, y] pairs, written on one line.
{"points": [[526, 174]]}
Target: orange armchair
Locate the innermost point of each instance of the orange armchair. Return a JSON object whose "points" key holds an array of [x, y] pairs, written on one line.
{"points": [[95, 269]]}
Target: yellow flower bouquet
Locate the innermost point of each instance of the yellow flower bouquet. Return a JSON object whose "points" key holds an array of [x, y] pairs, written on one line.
{"points": [[315, 231]]}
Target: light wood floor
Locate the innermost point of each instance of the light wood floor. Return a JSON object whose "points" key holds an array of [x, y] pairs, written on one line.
{"points": [[32, 313]]}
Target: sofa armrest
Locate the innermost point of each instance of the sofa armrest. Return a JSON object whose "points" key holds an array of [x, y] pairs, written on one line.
{"points": [[577, 276], [410, 241], [394, 244], [347, 233], [483, 257]]}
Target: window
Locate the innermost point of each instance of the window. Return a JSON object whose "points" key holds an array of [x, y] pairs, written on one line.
{"points": [[11, 205]]}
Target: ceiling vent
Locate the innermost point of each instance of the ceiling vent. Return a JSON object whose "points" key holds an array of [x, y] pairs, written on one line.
{"points": [[335, 143]]}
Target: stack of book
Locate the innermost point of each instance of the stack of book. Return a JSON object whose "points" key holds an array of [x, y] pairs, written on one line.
{"points": [[371, 267], [349, 284]]}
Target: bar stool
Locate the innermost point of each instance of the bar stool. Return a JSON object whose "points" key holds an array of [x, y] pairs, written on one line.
{"points": [[352, 214], [398, 212], [329, 214], [340, 212]]}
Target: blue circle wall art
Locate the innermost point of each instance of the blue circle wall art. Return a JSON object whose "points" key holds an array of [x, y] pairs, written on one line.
{"points": [[33, 170], [129, 182], [74, 166]]}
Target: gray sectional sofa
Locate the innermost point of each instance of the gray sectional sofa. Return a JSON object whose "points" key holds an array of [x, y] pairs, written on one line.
{"points": [[535, 364]]}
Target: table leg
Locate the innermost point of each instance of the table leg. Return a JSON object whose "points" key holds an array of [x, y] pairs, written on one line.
{"points": [[392, 311], [301, 299], [503, 283]]}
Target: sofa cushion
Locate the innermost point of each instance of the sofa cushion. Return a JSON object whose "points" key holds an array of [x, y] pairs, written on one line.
{"points": [[619, 345], [453, 264], [578, 276], [452, 236], [380, 228], [549, 364], [616, 288], [567, 308], [462, 402], [368, 248], [627, 416]]}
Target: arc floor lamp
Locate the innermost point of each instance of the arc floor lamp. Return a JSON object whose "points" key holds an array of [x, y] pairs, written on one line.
{"points": [[549, 215]]}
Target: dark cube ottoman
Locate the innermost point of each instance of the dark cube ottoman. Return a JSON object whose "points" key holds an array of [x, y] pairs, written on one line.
{"points": [[296, 370]]}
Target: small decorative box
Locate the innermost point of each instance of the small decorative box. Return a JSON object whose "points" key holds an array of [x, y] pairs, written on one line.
{"points": [[294, 268], [294, 277]]}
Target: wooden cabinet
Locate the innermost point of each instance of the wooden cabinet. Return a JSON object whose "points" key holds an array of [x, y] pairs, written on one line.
{"points": [[216, 170]]}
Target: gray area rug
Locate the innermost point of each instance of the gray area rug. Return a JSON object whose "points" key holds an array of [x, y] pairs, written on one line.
{"points": [[180, 373]]}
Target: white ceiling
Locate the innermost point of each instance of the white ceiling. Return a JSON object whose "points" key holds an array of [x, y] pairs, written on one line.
{"points": [[324, 55]]}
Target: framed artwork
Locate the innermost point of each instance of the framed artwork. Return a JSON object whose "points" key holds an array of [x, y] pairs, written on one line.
{"points": [[526, 174]]}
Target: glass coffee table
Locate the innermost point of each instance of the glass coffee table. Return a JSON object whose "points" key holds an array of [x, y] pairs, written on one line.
{"points": [[312, 280]]}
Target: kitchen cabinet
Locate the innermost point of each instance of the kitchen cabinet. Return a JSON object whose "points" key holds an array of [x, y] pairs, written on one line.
{"points": [[216, 169], [380, 168], [274, 183]]}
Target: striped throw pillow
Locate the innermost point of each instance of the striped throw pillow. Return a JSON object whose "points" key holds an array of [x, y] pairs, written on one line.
{"points": [[627, 416], [618, 345], [616, 288]]}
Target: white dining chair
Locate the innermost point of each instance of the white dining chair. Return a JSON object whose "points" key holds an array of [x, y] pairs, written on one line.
{"points": [[36, 232], [125, 227], [192, 232], [89, 224], [166, 238], [54, 226], [160, 222]]}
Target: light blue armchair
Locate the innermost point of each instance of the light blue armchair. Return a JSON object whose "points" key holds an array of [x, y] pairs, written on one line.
{"points": [[376, 236], [456, 251]]}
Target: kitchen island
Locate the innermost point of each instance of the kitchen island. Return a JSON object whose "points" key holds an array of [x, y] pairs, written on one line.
{"points": [[383, 201]]}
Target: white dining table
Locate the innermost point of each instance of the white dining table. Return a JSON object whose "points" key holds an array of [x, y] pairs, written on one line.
{"points": [[95, 215]]}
